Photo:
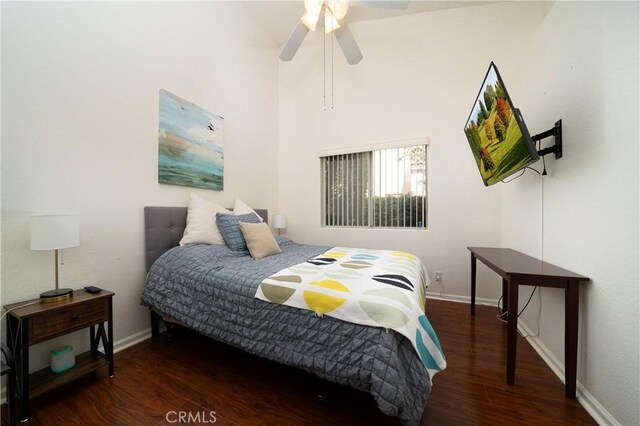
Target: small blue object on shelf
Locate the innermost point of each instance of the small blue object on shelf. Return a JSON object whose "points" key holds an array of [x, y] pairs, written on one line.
{"points": [[62, 359]]}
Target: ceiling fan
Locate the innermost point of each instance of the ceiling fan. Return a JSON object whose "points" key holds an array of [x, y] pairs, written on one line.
{"points": [[334, 21]]}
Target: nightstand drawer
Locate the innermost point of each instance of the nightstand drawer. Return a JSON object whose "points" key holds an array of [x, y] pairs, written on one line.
{"points": [[66, 320]]}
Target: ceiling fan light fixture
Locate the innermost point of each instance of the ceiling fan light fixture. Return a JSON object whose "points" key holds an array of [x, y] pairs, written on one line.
{"points": [[339, 8], [335, 12], [310, 20], [330, 22]]}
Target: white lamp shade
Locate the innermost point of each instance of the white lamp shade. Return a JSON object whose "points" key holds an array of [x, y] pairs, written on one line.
{"points": [[51, 232], [279, 221]]}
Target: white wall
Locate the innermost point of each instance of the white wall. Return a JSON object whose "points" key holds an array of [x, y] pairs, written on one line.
{"points": [[79, 135], [572, 60], [418, 78], [80, 88], [584, 69]]}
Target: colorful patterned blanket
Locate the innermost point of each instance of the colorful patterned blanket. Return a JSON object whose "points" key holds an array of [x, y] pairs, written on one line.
{"points": [[378, 288]]}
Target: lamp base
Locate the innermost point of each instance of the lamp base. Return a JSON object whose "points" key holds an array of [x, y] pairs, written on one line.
{"points": [[56, 295]]}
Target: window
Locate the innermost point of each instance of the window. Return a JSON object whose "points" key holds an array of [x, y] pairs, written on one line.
{"points": [[384, 188]]}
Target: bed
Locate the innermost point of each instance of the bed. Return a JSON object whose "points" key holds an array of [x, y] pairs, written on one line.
{"points": [[211, 289]]}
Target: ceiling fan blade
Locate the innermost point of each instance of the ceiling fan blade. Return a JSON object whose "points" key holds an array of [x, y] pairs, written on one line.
{"points": [[348, 44], [385, 4], [295, 40]]}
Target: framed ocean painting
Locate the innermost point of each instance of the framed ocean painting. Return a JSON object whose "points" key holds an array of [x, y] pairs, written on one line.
{"points": [[190, 144]]}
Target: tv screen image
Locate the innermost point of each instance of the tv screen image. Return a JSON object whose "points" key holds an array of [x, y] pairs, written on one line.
{"points": [[497, 135]]}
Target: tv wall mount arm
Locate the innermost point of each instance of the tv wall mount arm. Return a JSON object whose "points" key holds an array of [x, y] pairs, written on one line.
{"points": [[556, 148]]}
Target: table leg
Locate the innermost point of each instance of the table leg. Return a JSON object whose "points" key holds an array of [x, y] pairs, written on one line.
{"points": [[109, 345], [473, 284], [504, 311], [512, 331], [571, 301], [11, 333], [92, 339], [24, 369], [11, 395]]}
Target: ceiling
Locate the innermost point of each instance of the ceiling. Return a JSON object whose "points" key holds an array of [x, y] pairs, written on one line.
{"points": [[278, 18]]}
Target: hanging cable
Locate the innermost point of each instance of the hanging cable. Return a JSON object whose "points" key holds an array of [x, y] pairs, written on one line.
{"points": [[501, 315], [542, 219], [544, 173], [514, 178]]}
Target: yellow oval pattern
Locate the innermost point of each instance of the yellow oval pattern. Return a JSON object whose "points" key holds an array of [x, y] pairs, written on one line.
{"points": [[323, 303], [335, 254], [403, 254]]}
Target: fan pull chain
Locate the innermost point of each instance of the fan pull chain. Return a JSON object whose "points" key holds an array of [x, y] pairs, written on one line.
{"points": [[324, 72], [332, 37]]}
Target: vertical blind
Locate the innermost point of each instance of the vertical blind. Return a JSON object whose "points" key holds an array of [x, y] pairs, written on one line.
{"points": [[382, 189]]}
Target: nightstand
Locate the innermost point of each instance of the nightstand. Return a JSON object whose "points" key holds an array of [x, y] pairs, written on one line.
{"points": [[38, 322]]}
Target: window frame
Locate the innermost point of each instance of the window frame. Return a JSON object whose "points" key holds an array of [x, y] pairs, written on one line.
{"points": [[406, 143]]}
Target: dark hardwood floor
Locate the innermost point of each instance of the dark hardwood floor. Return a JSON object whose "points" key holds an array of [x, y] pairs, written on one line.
{"points": [[192, 374]]}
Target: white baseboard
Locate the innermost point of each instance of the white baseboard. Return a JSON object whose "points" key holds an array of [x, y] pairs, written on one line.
{"points": [[129, 341], [584, 397], [461, 299]]}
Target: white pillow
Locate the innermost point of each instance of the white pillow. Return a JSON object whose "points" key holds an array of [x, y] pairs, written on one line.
{"points": [[201, 222], [242, 208]]}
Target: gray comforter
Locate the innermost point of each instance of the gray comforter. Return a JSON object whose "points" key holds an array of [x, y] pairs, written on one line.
{"points": [[211, 289]]}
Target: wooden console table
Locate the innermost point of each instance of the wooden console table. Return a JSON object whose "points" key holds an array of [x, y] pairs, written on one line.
{"points": [[517, 269]]}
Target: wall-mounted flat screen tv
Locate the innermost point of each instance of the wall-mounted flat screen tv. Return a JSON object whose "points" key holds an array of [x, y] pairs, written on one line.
{"points": [[496, 132]]}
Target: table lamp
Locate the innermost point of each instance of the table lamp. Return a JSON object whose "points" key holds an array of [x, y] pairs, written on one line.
{"points": [[279, 222], [55, 232]]}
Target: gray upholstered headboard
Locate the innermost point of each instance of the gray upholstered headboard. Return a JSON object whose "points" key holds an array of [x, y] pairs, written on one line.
{"points": [[163, 229]]}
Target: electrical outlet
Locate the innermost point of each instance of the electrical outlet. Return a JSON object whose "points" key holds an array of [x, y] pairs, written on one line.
{"points": [[438, 276]]}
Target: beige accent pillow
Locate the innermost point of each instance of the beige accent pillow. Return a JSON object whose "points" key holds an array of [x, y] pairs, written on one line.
{"points": [[201, 222], [260, 240], [242, 208]]}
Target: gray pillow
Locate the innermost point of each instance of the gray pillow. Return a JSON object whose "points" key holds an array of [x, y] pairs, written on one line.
{"points": [[229, 226]]}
